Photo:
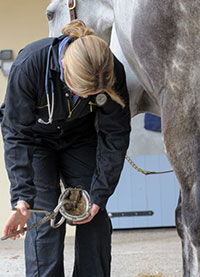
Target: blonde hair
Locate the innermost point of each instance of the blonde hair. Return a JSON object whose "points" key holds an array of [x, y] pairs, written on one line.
{"points": [[89, 62]]}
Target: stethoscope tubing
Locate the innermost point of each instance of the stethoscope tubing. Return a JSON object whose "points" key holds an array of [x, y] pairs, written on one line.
{"points": [[48, 78]]}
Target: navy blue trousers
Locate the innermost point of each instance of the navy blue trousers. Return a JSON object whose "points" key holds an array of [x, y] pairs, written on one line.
{"points": [[44, 245]]}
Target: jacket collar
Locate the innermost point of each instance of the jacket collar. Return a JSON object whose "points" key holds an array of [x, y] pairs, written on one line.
{"points": [[54, 60]]}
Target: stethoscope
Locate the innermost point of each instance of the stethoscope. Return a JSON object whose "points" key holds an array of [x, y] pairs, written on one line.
{"points": [[100, 99], [48, 79]]}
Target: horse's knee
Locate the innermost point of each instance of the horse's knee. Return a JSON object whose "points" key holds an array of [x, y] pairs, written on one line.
{"points": [[192, 223], [195, 233], [178, 218]]}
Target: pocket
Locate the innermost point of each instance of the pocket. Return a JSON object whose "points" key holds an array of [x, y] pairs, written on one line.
{"points": [[42, 112]]}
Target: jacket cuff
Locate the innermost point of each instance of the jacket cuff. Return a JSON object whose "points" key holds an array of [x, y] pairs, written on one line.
{"points": [[29, 201], [100, 201]]}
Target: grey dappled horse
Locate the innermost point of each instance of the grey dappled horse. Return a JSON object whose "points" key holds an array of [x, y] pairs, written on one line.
{"points": [[160, 40]]}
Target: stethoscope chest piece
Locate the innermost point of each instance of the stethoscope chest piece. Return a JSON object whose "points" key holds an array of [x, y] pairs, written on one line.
{"points": [[101, 99]]}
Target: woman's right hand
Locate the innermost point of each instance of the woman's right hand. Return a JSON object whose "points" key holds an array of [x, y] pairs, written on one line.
{"points": [[17, 219]]}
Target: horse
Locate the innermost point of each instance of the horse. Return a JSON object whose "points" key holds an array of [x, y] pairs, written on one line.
{"points": [[163, 48], [160, 41]]}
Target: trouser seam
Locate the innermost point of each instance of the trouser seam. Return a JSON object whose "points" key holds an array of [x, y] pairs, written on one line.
{"points": [[36, 252]]}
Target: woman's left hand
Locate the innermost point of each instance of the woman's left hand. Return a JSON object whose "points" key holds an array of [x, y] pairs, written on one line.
{"points": [[94, 210]]}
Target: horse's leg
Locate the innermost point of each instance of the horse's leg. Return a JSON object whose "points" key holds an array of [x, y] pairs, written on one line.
{"points": [[181, 137], [191, 235], [185, 239]]}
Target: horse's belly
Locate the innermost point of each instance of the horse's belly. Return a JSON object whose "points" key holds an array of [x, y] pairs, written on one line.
{"points": [[156, 38]]}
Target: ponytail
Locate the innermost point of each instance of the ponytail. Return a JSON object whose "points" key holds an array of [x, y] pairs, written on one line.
{"points": [[115, 97], [76, 29]]}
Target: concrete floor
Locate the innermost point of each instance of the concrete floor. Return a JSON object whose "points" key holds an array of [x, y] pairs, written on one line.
{"points": [[141, 253]]}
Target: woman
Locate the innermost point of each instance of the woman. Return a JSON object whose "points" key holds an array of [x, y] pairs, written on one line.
{"points": [[50, 133]]}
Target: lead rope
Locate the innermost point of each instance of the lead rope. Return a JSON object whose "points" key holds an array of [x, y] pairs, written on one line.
{"points": [[145, 172]]}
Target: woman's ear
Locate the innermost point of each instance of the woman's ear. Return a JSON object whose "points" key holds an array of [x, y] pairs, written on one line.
{"points": [[63, 63]]}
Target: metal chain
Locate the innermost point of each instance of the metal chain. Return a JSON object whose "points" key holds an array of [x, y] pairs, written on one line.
{"points": [[145, 172]]}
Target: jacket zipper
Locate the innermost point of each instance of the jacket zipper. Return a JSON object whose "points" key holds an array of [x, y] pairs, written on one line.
{"points": [[69, 107], [91, 105]]}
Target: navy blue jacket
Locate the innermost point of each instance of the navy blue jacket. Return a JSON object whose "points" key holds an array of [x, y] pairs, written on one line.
{"points": [[25, 103]]}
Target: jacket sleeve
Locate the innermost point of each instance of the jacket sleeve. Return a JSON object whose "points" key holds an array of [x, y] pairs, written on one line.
{"points": [[18, 117], [113, 140]]}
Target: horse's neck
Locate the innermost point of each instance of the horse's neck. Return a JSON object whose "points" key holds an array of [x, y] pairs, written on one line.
{"points": [[103, 18], [123, 13]]}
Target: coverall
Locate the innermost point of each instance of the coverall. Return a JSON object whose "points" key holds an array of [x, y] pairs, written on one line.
{"points": [[72, 148]]}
